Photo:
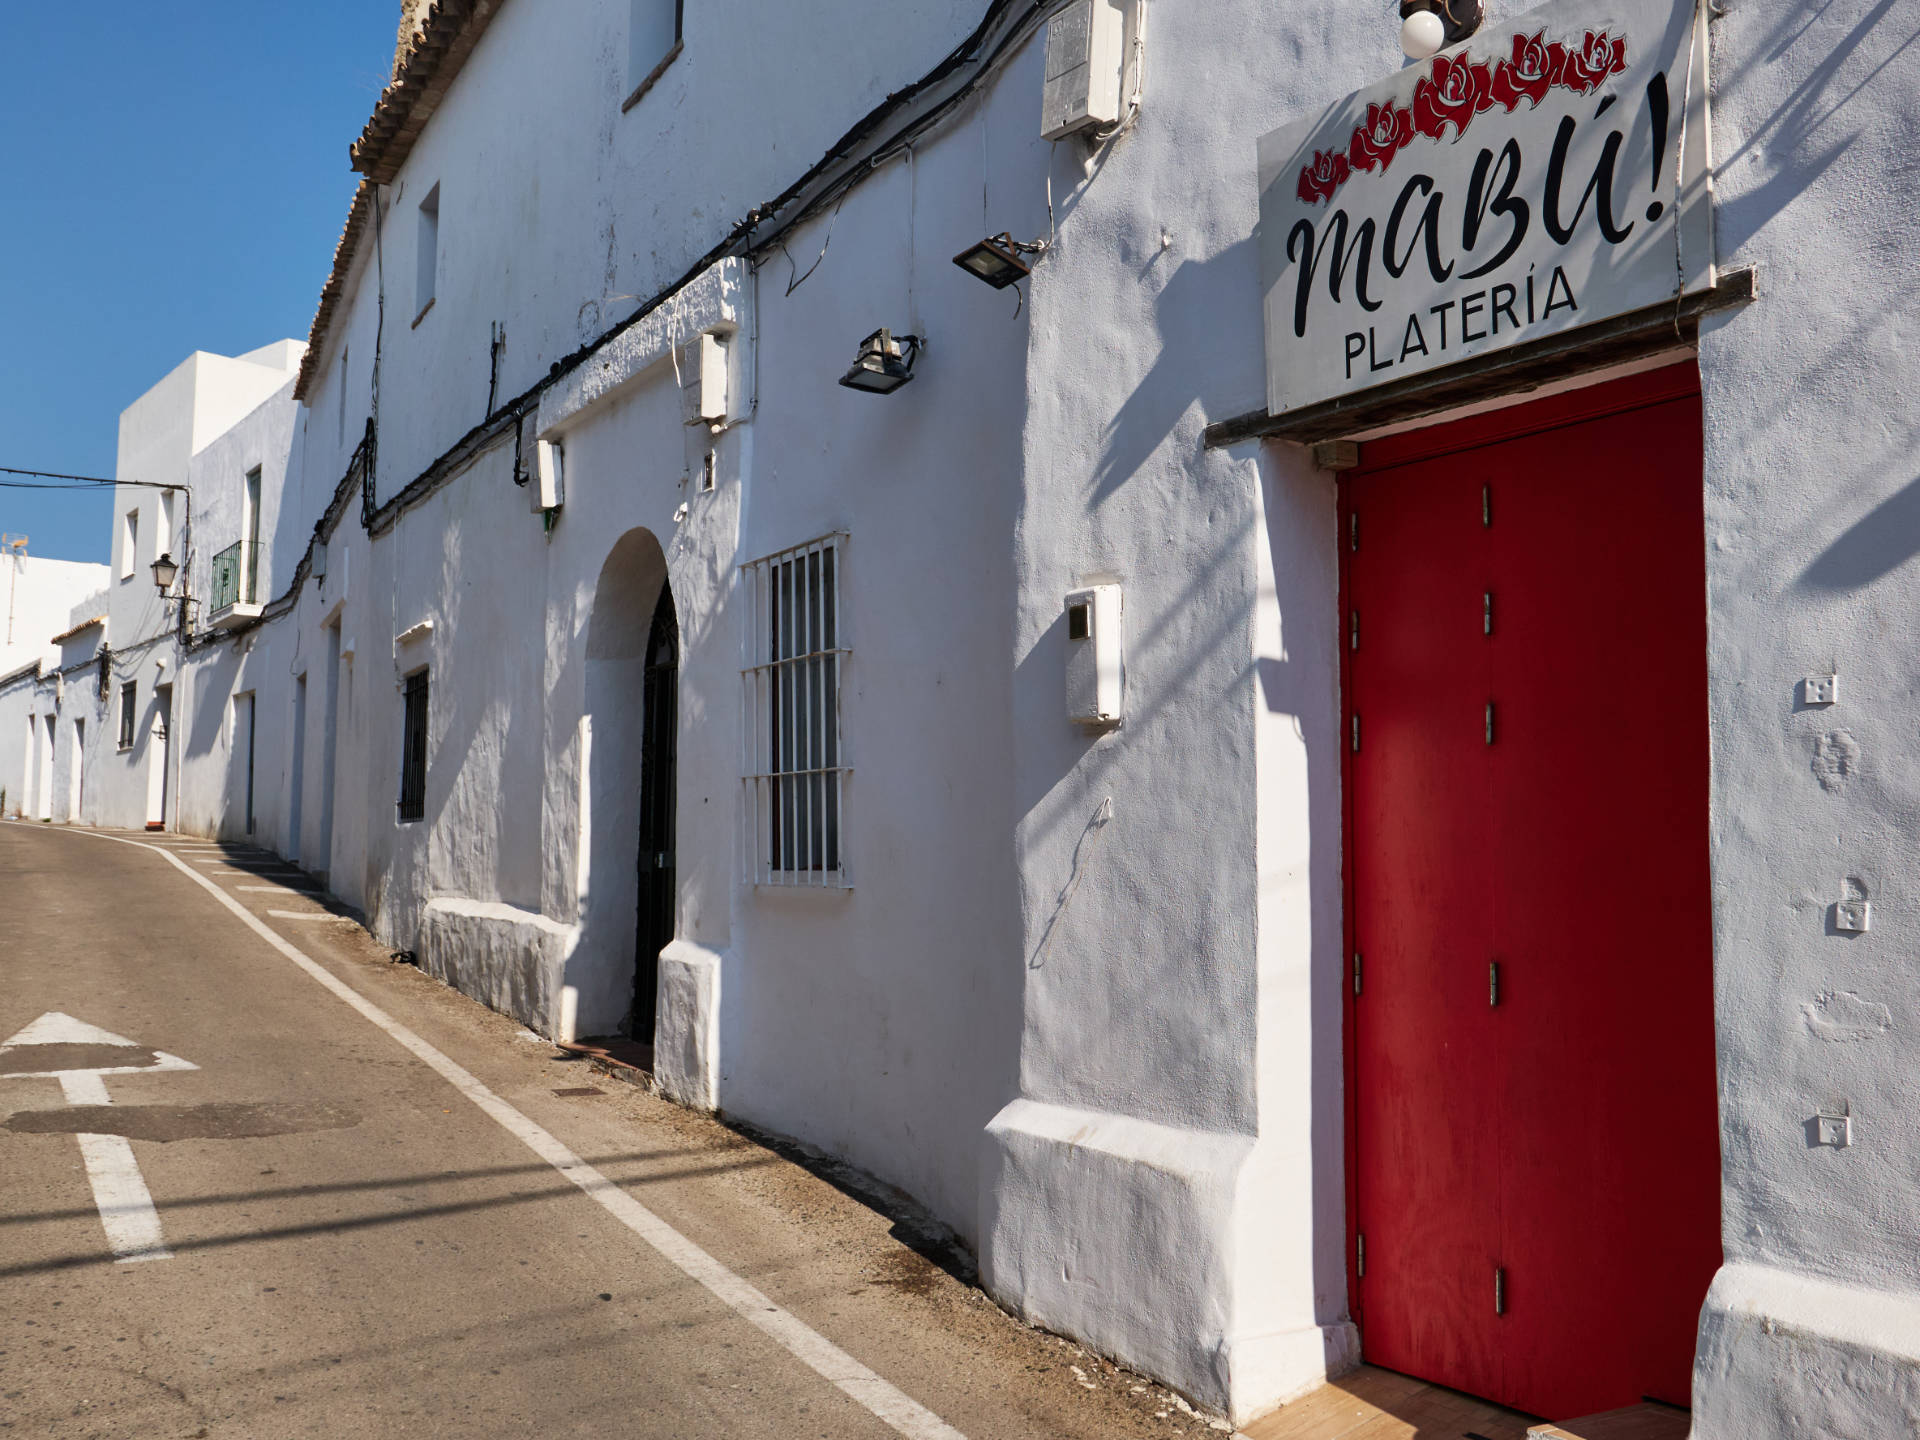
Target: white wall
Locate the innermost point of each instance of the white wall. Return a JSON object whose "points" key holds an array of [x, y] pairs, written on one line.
{"points": [[38, 600], [1813, 495]]}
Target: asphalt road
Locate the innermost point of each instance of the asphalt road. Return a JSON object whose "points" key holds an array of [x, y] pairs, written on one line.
{"points": [[359, 1242]]}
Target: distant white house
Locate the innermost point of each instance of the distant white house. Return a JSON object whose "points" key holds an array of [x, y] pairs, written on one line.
{"points": [[51, 607], [1324, 776]]}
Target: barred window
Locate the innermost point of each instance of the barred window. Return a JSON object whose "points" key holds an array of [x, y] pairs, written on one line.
{"points": [[795, 770], [413, 748], [128, 711]]}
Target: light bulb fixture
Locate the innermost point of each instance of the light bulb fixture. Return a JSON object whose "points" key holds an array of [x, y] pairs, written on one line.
{"points": [[1429, 26], [884, 363], [165, 571], [997, 261]]}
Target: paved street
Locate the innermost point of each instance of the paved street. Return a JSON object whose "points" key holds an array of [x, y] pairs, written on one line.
{"points": [[389, 1219]]}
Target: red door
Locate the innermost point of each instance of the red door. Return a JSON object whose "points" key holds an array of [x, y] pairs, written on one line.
{"points": [[1536, 1149]]}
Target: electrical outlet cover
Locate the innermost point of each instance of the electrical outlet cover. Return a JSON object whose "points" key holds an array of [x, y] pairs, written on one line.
{"points": [[1821, 689]]}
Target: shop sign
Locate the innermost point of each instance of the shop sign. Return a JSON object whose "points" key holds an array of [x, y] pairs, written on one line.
{"points": [[1541, 176]]}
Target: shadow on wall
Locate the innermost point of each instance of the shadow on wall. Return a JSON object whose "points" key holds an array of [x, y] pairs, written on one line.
{"points": [[1787, 135], [1876, 545], [1186, 315], [601, 967]]}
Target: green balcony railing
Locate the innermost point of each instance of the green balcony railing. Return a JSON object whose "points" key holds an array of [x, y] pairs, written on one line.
{"points": [[236, 575]]}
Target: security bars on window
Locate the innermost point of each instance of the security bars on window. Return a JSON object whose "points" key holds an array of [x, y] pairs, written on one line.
{"points": [[795, 778]]}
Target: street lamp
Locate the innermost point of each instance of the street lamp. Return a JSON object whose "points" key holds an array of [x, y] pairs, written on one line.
{"points": [[165, 571]]}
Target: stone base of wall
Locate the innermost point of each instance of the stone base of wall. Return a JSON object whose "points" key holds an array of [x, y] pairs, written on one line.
{"points": [[686, 1032], [1784, 1355], [1117, 1232], [507, 958]]}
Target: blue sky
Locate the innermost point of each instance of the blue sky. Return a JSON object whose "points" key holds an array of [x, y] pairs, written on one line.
{"points": [[177, 176]]}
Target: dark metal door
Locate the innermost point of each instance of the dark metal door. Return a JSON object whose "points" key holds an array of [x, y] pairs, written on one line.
{"points": [[658, 743]]}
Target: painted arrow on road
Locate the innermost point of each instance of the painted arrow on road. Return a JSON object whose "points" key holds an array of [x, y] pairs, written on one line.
{"points": [[126, 1207]]}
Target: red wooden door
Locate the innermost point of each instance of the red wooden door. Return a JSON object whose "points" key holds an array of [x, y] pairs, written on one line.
{"points": [[1536, 1154]]}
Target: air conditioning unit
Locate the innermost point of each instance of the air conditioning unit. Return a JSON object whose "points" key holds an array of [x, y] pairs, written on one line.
{"points": [[1086, 49]]}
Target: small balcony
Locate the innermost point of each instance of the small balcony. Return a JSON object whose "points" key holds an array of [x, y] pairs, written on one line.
{"points": [[236, 583]]}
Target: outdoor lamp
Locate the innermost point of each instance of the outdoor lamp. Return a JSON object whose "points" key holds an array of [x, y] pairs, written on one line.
{"points": [[165, 571], [880, 366], [1429, 26], [996, 260]]}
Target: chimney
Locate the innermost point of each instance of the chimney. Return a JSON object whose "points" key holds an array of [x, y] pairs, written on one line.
{"points": [[413, 15]]}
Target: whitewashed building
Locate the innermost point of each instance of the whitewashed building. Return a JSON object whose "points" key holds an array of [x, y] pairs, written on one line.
{"points": [[1327, 780], [53, 608]]}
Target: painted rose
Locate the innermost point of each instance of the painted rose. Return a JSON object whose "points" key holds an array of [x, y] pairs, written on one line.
{"points": [[1534, 68], [1375, 143], [1599, 56], [1456, 90], [1327, 173]]}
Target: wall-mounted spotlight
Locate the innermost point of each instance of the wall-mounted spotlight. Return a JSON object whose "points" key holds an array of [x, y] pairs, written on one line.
{"points": [[884, 363], [997, 261], [1429, 26]]}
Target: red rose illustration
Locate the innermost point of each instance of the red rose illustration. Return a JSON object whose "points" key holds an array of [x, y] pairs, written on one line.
{"points": [[1599, 56], [1327, 173], [1452, 94], [1536, 67], [1381, 138]]}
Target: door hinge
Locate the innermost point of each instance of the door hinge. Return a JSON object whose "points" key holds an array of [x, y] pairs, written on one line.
{"points": [[1353, 530], [1489, 722], [1356, 972], [1360, 1255], [1356, 734], [1353, 629], [1486, 507], [1486, 613], [1493, 982], [1499, 1290]]}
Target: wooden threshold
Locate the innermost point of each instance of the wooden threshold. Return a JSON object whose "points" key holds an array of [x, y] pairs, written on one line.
{"points": [[1374, 1404], [1514, 370]]}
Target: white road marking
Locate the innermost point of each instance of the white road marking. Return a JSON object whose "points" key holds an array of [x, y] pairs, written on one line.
{"points": [[882, 1399], [290, 888], [311, 915], [126, 1206]]}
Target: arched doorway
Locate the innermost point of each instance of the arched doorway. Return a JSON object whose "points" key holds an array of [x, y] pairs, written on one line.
{"points": [[660, 726], [627, 819]]}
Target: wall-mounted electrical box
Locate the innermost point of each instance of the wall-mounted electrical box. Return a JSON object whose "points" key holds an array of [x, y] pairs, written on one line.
{"points": [[713, 379], [1086, 47], [549, 488], [1096, 678]]}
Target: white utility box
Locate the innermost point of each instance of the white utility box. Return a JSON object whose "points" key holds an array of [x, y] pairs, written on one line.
{"points": [[1096, 677], [549, 487], [713, 379], [1086, 49]]}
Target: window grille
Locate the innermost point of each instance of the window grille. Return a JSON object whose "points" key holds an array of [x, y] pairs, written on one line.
{"points": [[794, 764], [413, 749], [127, 692]]}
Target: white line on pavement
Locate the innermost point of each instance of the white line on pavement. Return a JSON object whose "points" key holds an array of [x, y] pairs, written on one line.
{"points": [[311, 915], [126, 1205], [885, 1401], [287, 889]]}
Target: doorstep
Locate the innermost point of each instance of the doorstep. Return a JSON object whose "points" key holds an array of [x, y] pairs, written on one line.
{"points": [[1375, 1404], [1650, 1421], [618, 1056]]}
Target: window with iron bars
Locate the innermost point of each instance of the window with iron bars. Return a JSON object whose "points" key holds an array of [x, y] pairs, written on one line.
{"points": [[794, 764], [128, 711], [413, 748]]}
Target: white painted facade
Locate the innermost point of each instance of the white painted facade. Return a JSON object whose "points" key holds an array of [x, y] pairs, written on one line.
{"points": [[1081, 993], [45, 601]]}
